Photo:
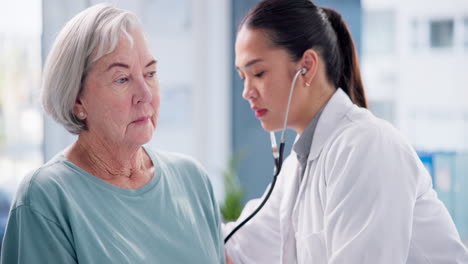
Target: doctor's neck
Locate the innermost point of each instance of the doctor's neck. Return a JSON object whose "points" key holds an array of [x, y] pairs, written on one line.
{"points": [[318, 96]]}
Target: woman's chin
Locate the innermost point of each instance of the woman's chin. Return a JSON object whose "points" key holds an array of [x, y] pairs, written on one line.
{"points": [[141, 137], [269, 127]]}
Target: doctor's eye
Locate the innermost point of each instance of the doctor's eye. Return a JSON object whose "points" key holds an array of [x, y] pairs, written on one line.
{"points": [[241, 76], [260, 74]]}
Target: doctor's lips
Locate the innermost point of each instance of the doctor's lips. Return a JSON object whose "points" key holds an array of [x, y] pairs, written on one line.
{"points": [[259, 112]]}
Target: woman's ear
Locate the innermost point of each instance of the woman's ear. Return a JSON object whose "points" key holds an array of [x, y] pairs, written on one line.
{"points": [[310, 61], [79, 110]]}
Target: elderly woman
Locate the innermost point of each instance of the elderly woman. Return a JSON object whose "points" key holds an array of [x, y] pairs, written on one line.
{"points": [[106, 198]]}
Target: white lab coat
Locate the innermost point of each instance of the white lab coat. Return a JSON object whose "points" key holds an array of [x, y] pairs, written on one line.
{"points": [[365, 198]]}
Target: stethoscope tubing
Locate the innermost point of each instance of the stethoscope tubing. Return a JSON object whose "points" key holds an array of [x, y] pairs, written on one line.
{"points": [[278, 157]]}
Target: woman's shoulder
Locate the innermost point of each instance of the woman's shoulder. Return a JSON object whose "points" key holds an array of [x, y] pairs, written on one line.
{"points": [[182, 164], [172, 158], [42, 183], [183, 170]]}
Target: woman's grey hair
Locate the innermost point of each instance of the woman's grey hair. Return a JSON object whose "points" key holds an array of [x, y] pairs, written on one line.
{"points": [[87, 37]]}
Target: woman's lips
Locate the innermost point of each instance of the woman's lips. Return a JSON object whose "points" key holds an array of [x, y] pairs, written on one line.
{"points": [[142, 120], [260, 112]]}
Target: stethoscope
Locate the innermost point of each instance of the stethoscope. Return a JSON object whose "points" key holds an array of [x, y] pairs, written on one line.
{"points": [[277, 155]]}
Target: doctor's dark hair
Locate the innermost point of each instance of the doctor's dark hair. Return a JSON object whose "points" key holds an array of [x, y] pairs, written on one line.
{"points": [[299, 25]]}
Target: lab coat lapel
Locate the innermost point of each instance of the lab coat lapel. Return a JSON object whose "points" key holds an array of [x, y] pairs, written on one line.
{"points": [[332, 115], [288, 243], [335, 110]]}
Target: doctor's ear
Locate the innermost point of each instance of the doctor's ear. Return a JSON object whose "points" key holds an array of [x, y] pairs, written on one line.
{"points": [[309, 62]]}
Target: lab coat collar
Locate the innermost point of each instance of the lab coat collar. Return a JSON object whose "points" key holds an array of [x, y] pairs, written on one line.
{"points": [[335, 110]]}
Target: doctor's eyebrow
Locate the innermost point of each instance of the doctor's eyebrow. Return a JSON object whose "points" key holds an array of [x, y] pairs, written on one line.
{"points": [[250, 63]]}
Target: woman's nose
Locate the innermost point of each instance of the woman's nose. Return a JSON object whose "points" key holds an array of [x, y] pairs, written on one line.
{"points": [[143, 92]]}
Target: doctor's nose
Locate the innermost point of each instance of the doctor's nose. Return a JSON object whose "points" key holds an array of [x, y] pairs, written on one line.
{"points": [[249, 92]]}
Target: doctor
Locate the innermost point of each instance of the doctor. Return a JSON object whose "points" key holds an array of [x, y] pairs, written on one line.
{"points": [[353, 189]]}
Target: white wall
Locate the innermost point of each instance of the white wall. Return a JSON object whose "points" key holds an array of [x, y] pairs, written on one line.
{"points": [[429, 87]]}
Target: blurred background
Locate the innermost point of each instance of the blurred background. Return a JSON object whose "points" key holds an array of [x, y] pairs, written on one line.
{"points": [[413, 55]]}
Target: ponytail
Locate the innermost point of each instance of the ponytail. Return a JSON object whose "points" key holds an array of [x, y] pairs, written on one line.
{"points": [[350, 80]]}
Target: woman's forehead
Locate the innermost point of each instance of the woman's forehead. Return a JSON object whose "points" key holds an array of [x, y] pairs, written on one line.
{"points": [[128, 51]]}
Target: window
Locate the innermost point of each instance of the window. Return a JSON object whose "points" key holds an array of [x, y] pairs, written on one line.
{"points": [[20, 117], [20, 69], [441, 33], [465, 32], [415, 33]]}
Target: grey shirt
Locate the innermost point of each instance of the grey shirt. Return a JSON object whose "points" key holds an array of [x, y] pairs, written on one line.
{"points": [[302, 145]]}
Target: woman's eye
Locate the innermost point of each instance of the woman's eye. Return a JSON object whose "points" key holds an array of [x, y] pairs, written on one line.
{"points": [[151, 74], [122, 80], [260, 74]]}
